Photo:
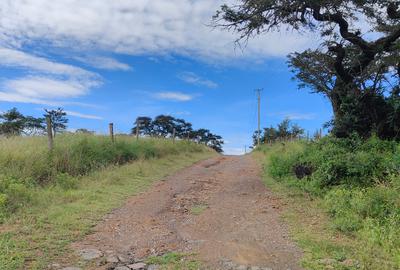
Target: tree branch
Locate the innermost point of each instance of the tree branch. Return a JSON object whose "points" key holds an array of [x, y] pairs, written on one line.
{"points": [[341, 71]]}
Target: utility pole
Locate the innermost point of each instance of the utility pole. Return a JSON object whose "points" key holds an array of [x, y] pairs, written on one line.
{"points": [[258, 91]]}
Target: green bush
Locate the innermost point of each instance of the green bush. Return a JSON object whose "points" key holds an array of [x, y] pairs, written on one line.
{"points": [[335, 162], [13, 195], [359, 182]]}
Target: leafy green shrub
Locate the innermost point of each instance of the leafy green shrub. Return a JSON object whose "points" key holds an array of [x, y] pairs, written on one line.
{"points": [[65, 181], [335, 162], [359, 181], [13, 195], [283, 161]]}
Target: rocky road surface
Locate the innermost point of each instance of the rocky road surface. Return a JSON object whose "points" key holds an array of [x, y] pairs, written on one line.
{"points": [[218, 209]]}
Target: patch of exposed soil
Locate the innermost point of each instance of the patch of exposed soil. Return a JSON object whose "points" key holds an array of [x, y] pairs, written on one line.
{"points": [[240, 224]]}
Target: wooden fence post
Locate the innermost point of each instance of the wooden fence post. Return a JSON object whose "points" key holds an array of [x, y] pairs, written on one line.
{"points": [[137, 129], [173, 135], [111, 128], [49, 132]]}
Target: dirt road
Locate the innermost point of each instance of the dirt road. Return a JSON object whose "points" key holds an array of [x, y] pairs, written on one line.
{"points": [[218, 209]]}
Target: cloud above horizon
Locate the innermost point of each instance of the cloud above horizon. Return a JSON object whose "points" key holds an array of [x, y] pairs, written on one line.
{"points": [[173, 96], [135, 28], [193, 78], [45, 81]]}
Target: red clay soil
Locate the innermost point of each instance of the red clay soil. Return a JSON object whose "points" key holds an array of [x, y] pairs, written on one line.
{"points": [[218, 209]]}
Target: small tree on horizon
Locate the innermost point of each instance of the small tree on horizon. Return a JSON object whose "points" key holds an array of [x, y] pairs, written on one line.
{"points": [[58, 119]]}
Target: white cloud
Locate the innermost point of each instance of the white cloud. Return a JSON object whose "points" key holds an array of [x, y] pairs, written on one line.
{"points": [[40, 87], [134, 27], [193, 78], [174, 96], [14, 97], [82, 115], [101, 62], [47, 80], [19, 59], [295, 115], [301, 116]]}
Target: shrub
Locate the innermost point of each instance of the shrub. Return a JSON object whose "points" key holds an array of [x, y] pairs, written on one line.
{"points": [[334, 162], [359, 181]]}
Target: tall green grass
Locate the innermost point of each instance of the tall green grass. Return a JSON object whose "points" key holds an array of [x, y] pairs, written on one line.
{"points": [[359, 184], [50, 199], [26, 162]]}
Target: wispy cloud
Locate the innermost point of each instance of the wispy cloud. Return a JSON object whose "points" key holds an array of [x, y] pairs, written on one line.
{"points": [[14, 97], [193, 78], [47, 82], [101, 62], [174, 96], [295, 115], [19, 59], [82, 115], [44, 87]]}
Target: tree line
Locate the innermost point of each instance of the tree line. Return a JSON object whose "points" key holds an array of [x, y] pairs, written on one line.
{"points": [[284, 131], [167, 126], [357, 69], [14, 123]]}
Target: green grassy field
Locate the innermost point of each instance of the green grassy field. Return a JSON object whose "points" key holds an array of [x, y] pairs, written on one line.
{"points": [[350, 222], [49, 200]]}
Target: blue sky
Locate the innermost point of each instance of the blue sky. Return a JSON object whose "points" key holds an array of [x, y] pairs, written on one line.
{"points": [[111, 62]]}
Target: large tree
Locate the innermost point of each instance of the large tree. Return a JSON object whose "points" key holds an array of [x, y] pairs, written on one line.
{"points": [[14, 123], [143, 125], [357, 63]]}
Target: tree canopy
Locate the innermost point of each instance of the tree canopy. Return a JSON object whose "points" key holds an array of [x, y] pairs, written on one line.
{"points": [[356, 65], [285, 130], [58, 119], [14, 123], [167, 126]]}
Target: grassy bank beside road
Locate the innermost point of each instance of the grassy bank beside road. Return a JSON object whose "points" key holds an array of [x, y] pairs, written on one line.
{"points": [[49, 200], [342, 197]]}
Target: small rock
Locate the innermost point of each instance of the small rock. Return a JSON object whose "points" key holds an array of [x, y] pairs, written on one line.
{"points": [[112, 259], [90, 254], [255, 268], [71, 268], [242, 267], [153, 267], [54, 266], [121, 268], [137, 266], [228, 265], [123, 259]]}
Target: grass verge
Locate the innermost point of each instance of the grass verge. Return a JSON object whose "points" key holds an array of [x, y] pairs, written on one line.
{"points": [[324, 246], [39, 233]]}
